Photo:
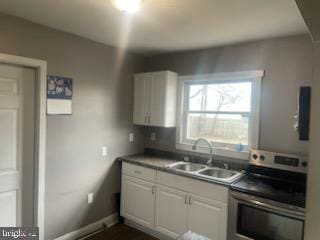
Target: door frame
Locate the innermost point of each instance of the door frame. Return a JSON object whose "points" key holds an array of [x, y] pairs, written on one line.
{"points": [[40, 132]]}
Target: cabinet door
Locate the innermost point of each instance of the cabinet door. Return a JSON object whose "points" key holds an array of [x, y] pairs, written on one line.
{"points": [[171, 211], [138, 201], [141, 98], [157, 98], [207, 217]]}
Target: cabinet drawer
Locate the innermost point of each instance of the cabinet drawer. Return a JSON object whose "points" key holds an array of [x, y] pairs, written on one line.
{"points": [[139, 172]]}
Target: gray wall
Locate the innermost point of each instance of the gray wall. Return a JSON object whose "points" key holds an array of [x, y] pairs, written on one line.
{"points": [[288, 65], [313, 191], [102, 115]]}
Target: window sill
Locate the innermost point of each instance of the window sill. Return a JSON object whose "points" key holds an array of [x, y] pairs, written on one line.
{"points": [[230, 153]]}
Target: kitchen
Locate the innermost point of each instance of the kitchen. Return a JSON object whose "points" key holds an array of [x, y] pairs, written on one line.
{"points": [[130, 146], [232, 200]]}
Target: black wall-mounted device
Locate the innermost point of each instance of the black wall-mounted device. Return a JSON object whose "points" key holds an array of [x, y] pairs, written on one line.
{"points": [[304, 113]]}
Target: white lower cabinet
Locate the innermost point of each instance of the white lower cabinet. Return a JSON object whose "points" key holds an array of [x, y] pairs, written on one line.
{"points": [[172, 204], [138, 200], [171, 211], [178, 212], [207, 217]]}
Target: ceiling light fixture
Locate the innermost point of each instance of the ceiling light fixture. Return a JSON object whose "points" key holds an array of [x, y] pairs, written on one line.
{"points": [[129, 6]]}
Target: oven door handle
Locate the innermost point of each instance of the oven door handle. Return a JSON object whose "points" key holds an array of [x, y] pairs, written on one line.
{"points": [[273, 207]]}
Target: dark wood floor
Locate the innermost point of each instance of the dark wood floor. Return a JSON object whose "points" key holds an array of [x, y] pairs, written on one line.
{"points": [[121, 232]]}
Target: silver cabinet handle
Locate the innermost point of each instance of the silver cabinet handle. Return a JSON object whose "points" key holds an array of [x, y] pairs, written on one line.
{"points": [[189, 200], [185, 199], [153, 190]]}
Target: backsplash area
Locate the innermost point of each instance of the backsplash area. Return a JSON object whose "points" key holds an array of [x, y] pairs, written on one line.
{"points": [[165, 142]]}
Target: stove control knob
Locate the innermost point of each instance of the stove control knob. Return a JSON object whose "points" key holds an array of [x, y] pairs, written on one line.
{"points": [[262, 157], [255, 156], [304, 164]]}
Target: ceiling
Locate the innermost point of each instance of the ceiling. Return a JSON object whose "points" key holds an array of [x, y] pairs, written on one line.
{"points": [[165, 25]]}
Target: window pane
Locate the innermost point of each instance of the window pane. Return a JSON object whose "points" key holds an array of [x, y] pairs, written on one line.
{"points": [[235, 97], [221, 128]]}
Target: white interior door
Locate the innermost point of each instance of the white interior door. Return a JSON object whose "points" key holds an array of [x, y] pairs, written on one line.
{"points": [[17, 100]]}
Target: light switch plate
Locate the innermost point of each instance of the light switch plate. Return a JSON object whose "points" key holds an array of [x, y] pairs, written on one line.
{"points": [[104, 151], [131, 137], [90, 198]]}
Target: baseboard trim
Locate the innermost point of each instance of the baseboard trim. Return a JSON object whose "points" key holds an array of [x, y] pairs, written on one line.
{"points": [[85, 231], [146, 230]]}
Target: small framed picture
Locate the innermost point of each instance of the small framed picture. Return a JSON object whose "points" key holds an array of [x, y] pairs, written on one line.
{"points": [[59, 95], [59, 87]]}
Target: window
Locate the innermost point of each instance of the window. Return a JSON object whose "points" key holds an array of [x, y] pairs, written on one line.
{"points": [[224, 109]]}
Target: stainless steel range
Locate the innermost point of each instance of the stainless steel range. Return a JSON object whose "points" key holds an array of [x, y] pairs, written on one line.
{"points": [[269, 202]]}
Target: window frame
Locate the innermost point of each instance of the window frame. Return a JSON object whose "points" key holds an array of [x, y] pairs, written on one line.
{"points": [[255, 77]]}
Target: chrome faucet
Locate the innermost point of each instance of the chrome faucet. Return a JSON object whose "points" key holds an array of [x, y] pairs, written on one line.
{"points": [[226, 166], [194, 148]]}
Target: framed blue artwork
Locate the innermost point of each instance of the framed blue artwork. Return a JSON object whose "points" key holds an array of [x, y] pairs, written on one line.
{"points": [[59, 87]]}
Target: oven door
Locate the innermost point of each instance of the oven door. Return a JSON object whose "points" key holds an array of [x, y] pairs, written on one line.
{"points": [[253, 218]]}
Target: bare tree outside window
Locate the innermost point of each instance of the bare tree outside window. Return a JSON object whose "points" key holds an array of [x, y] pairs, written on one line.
{"points": [[219, 112]]}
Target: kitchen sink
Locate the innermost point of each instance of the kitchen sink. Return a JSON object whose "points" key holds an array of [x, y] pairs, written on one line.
{"points": [[187, 167], [205, 171], [217, 173]]}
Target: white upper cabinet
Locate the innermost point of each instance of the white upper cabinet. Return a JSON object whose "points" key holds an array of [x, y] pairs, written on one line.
{"points": [[155, 96], [140, 98]]}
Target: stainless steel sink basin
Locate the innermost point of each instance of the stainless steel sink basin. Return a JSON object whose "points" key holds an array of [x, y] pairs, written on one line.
{"points": [[187, 167], [217, 173], [204, 171]]}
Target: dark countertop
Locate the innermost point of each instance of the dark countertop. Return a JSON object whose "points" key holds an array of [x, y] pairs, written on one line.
{"points": [[160, 162], [149, 161]]}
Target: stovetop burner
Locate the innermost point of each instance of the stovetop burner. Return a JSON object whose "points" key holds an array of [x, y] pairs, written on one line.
{"points": [[283, 189]]}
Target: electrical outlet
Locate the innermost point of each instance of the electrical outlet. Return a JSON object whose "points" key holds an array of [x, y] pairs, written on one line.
{"points": [[153, 136], [131, 137], [104, 151], [90, 198]]}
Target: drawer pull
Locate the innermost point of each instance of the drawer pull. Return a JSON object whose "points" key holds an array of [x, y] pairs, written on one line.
{"points": [[137, 172], [185, 199], [153, 190], [189, 200]]}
